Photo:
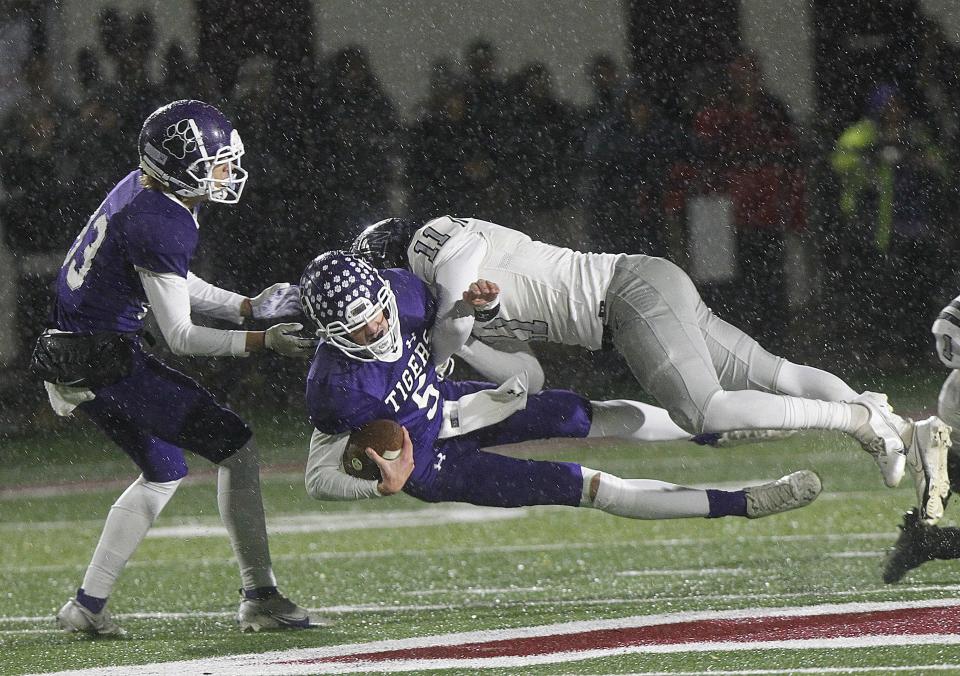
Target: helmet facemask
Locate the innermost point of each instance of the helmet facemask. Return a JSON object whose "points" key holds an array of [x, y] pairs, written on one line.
{"points": [[226, 190], [358, 314]]}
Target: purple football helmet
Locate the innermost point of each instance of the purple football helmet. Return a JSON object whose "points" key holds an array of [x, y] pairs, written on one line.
{"points": [[182, 142], [341, 293]]}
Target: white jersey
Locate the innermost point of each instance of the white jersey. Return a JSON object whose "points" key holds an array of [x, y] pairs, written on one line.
{"points": [[547, 293]]}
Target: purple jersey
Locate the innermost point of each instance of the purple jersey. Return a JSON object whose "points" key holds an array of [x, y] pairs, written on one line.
{"points": [[344, 394], [98, 288]]}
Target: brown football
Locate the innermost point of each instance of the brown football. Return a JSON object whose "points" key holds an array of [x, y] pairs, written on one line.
{"points": [[383, 436]]}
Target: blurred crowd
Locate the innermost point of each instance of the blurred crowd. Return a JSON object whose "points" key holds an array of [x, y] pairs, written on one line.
{"points": [[328, 151]]}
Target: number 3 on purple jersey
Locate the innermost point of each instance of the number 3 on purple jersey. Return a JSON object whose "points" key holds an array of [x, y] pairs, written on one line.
{"points": [[77, 270]]}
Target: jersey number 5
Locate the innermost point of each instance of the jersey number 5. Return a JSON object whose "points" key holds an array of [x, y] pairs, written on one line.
{"points": [[77, 271]]}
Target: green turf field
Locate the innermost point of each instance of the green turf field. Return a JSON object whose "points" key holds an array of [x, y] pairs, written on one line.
{"points": [[410, 569]]}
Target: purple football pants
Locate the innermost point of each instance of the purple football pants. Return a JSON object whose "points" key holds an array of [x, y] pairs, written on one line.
{"points": [[456, 470], [156, 412]]}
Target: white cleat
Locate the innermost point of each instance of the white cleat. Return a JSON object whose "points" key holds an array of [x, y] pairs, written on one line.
{"points": [[275, 612], [927, 458], [74, 617], [790, 492], [881, 437]]}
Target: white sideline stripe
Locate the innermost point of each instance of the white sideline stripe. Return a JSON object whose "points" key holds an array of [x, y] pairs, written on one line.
{"points": [[920, 668], [264, 664], [807, 670], [325, 523], [460, 604], [854, 555], [689, 572], [372, 608], [543, 547], [478, 591]]}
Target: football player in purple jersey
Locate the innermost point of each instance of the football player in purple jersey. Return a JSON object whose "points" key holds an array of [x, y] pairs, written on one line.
{"points": [[133, 255], [376, 362]]}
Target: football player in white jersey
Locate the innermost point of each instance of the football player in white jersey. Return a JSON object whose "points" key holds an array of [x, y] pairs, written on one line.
{"points": [[710, 376], [919, 542]]}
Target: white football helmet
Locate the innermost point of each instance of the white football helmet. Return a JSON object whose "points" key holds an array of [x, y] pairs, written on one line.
{"points": [[946, 329]]}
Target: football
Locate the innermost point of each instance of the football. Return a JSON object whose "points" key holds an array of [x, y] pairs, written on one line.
{"points": [[383, 436]]}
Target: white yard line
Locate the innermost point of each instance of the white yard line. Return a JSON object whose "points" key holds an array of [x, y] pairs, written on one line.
{"points": [[596, 602], [883, 537]]}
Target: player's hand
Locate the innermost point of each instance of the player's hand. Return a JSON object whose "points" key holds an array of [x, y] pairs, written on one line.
{"points": [[482, 293], [276, 301], [283, 339], [394, 473]]}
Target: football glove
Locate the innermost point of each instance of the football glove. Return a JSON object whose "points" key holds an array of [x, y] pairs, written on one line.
{"points": [[283, 339], [276, 301]]}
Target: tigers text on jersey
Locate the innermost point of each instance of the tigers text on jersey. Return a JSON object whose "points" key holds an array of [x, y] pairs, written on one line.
{"points": [[344, 394], [547, 293], [98, 287]]}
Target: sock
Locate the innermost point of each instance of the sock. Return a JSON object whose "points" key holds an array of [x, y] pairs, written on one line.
{"points": [[749, 410], [647, 499], [726, 503], [241, 509], [625, 419], [91, 603], [260, 593], [127, 523]]}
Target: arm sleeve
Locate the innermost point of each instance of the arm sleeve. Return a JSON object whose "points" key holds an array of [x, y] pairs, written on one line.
{"points": [[454, 275], [503, 360], [169, 298], [325, 478], [213, 301]]}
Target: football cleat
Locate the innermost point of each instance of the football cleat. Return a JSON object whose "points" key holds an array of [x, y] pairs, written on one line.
{"points": [[914, 546], [881, 437], [75, 617], [927, 458], [740, 437], [273, 612], [790, 492]]}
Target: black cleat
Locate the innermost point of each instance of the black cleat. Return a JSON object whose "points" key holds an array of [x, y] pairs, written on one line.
{"points": [[914, 546]]}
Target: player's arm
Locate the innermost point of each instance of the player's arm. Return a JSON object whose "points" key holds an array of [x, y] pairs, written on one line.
{"points": [[274, 302], [455, 316], [499, 364], [169, 297], [326, 480], [213, 301]]}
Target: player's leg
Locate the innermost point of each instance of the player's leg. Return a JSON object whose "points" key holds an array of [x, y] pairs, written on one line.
{"points": [[634, 421], [181, 413], [218, 434], [463, 473], [129, 519], [657, 317]]}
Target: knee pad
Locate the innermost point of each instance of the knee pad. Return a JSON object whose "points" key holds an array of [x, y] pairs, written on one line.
{"points": [[214, 432]]}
